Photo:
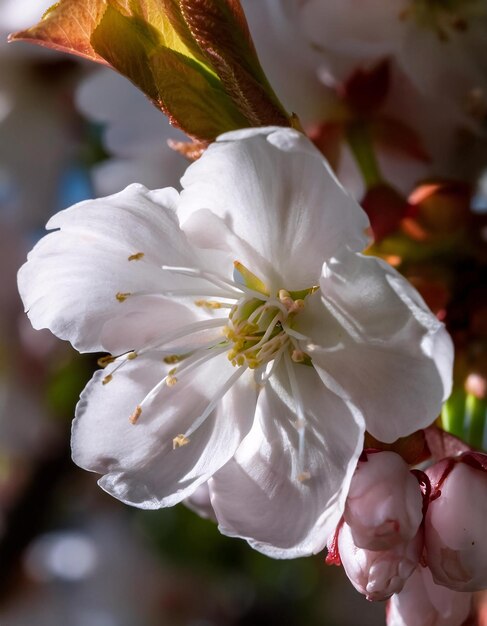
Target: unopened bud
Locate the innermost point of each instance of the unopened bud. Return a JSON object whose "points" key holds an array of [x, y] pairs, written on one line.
{"points": [[378, 573], [384, 504], [423, 603], [455, 537]]}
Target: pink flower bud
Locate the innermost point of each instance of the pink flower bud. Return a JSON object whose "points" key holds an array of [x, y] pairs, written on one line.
{"points": [[455, 531], [378, 573], [422, 603], [384, 504]]}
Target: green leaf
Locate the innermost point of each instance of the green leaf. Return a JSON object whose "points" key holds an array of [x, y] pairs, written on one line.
{"points": [[192, 95], [128, 47], [221, 30], [193, 58], [185, 90]]}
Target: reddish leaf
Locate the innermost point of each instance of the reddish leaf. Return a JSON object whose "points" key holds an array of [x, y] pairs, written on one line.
{"points": [[67, 26], [385, 208], [221, 31]]}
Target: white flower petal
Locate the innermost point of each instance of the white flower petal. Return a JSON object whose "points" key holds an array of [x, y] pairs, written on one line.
{"points": [[200, 502], [258, 495], [142, 321], [374, 337], [209, 231], [287, 200], [71, 280], [138, 461]]}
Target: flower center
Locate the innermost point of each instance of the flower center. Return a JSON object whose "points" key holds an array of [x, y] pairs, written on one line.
{"points": [[259, 330]]}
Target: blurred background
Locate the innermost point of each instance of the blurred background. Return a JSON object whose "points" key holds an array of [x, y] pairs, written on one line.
{"points": [[69, 553]]}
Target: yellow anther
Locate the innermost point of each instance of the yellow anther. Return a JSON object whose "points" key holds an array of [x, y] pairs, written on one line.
{"points": [[121, 296], [298, 356], [105, 360], [172, 358], [284, 295], [253, 363], [136, 257], [303, 477], [134, 418], [208, 304], [249, 329], [131, 356], [179, 441], [229, 333], [171, 380], [107, 379]]}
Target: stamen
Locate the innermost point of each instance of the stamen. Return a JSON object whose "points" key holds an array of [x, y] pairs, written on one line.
{"points": [[185, 331], [221, 292], [124, 358], [200, 356], [136, 257], [190, 329], [173, 358], [171, 380], [179, 442], [211, 277], [301, 422], [274, 302], [263, 378], [216, 279], [292, 306], [215, 400], [258, 311], [270, 329], [134, 418], [213, 304], [105, 360], [121, 296], [298, 356], [294, 333]]}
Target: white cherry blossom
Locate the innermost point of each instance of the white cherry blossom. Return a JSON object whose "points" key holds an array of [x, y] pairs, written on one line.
{"points": [[256, 344], [135, 134], [436, 45]]}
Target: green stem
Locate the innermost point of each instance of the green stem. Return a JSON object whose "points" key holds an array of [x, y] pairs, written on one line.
{"points": [[476, 413], [360, 142], [452, 415]]}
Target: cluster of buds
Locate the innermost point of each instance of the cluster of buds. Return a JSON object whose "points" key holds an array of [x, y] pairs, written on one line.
{"points": [[416, 538]]}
